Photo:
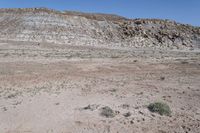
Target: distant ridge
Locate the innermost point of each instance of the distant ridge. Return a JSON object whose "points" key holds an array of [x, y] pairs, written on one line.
{"points": [[95, 29]]}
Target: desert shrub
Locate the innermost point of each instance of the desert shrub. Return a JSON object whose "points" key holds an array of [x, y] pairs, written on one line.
{"points": [[160, 108], [107, 112]]}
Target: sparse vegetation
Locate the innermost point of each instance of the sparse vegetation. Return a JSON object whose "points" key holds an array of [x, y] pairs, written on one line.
{"points": [[160, 108], [107, 112], [85, 72]]}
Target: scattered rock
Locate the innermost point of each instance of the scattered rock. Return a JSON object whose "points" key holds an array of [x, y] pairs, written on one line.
{"points": [[4, 109], [162, 78], [113, 90], [184, 62], [57, 103], [91, 107], [125, 106], [17, 102], [132, 122], [141, 112], [11, 96], [127, 114]]}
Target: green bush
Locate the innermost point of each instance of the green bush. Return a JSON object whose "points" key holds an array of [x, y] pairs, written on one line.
{"points": [[160, 108], [107, 112]]}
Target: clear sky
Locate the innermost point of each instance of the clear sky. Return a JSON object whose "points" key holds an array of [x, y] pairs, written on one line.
{"points": [[184, 11]]}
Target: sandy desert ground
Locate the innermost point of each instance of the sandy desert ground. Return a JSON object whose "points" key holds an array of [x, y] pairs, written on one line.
{"points": [[57, 89]]}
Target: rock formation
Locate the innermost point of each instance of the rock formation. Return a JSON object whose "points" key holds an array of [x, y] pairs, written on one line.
{"points": [[99, 30]]}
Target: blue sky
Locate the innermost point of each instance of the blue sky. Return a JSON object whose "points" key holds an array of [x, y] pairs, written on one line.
{"points": [[184, 11]]}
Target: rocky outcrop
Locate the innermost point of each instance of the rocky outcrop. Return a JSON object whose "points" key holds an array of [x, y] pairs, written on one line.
{"points": [[99, 30]]}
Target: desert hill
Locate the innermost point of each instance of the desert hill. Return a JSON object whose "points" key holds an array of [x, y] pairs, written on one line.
{"points": [[100, 30]]}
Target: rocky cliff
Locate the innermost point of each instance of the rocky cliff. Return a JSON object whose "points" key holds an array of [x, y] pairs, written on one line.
{"points": [[99, 30]]}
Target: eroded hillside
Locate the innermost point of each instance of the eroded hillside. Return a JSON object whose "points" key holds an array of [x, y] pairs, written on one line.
{"points": [[99, 30]]}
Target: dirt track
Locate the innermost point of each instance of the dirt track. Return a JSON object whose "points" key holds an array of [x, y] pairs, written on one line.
{"points": [[58, 94]]}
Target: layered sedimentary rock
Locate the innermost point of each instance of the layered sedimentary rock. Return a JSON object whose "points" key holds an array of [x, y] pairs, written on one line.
{"points": [[99, 30]]}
